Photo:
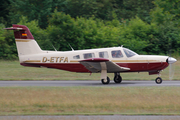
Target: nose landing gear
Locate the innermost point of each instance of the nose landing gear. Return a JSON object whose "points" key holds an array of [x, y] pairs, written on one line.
{"points": [[158, 80]]}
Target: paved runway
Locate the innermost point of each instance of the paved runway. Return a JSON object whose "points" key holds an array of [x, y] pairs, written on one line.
{"points": [[91, 117], [86, 83]]}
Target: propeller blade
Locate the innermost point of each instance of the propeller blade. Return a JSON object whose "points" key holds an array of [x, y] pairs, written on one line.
{"points": [[171, 71], [171, 60]]}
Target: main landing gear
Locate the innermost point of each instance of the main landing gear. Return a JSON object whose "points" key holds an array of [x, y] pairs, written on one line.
{"points": [[105, 81], [117, 79]]}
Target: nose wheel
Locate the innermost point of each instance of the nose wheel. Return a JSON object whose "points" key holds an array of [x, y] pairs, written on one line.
{"points": [[158, 80]]}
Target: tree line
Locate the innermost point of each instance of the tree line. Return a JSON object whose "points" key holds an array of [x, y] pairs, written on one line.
{"points": [[144, 26]]}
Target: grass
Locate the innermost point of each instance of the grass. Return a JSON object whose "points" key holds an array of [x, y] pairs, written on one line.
{"points": [[89, 100], [84, 100], [12, 70]]}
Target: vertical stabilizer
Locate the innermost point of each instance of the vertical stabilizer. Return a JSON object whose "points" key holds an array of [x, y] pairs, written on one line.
{"points": [[25, 42]]}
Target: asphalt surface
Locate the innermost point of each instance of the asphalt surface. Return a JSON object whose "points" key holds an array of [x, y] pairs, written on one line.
{"points": [[85, 83], [97, 117]]}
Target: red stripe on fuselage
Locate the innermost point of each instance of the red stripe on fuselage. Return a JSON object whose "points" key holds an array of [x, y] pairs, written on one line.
{"points": [[77, 67], [73, 67], [144, 67]]}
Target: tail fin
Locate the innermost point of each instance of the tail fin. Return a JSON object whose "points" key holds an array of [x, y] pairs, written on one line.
{"points": [[25, 42]]}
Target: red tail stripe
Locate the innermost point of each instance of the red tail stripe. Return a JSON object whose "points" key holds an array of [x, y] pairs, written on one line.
{"points": [[19, 30]]}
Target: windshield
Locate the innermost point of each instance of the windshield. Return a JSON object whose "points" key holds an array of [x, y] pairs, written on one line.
{"points": [[129, 53]]}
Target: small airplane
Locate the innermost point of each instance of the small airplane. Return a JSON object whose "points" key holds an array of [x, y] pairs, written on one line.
{"points": [[102, 60]]}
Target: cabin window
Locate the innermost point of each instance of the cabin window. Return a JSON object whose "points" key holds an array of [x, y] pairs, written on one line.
{"points": [[103, 54], [129, 53], [76, 57], [89, 55], [116, 54]]}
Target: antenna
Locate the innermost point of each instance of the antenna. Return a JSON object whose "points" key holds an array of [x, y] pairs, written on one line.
{"points": [[71, 47], [54, 48]]}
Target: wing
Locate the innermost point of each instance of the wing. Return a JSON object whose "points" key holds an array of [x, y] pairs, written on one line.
{"points": [[97, 64]]}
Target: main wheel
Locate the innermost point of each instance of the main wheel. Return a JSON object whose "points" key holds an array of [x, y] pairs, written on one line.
{"points": [[117, 79], [158, 80], [105, 81]]}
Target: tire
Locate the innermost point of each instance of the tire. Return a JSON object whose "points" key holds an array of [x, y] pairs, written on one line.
{"points": [[117, 79], [158, 80], [105, 81]]}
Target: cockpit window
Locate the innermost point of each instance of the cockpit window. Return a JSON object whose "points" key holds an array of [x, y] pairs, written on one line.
{"points": [[129, 53], [116, 54], [88, 55], [103, 54]]}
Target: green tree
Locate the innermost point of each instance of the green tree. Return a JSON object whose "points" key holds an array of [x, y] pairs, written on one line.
{"points": [[34, 10], [168, 9], [4, 12], [61, 30], [166, 19], [40, 35], [135, 35], [81, 33], [127, 9], [7, 44], [104, 9]]}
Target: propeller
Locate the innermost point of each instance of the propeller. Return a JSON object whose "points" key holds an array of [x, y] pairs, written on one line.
{"points": [[171, 60]]}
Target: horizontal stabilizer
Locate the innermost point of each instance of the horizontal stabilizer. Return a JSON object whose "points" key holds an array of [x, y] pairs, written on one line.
{"points": [[21, 32]]}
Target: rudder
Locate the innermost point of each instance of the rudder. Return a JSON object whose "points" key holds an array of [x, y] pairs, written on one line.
{"points": [[25, 41]]}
